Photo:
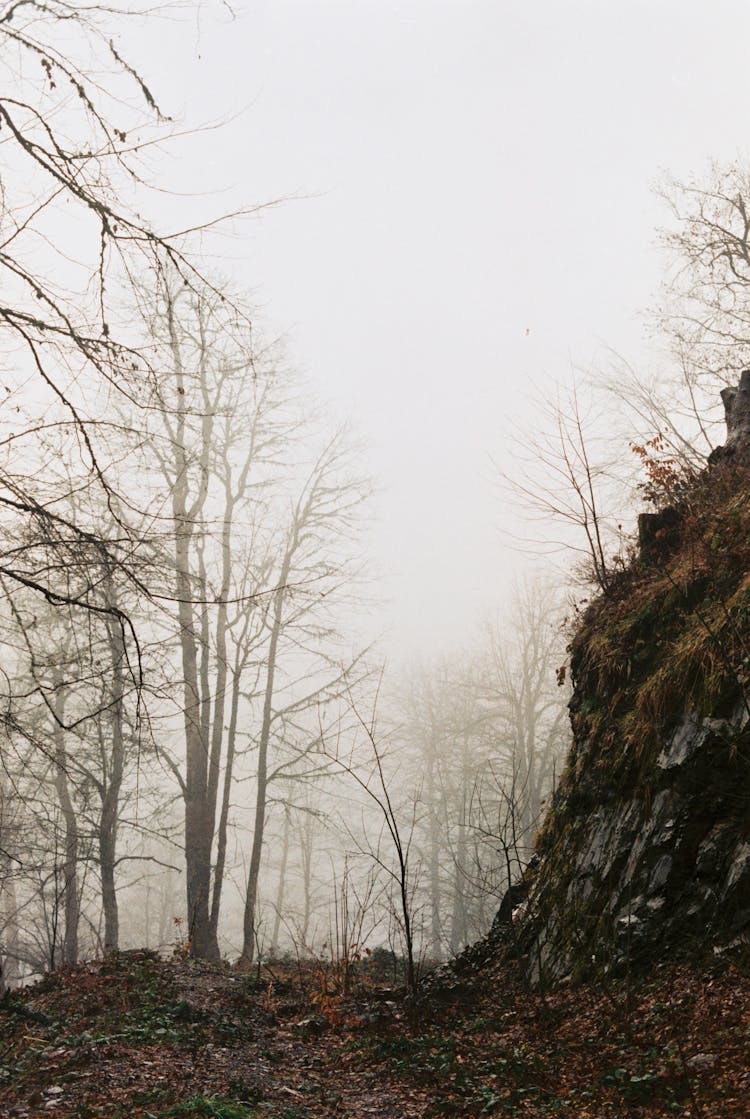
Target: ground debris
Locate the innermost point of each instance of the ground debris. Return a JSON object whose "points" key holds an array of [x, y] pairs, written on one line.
{"points": [[137, 1037]]}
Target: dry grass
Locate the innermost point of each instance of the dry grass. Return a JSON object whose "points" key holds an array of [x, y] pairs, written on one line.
{"points": [[671, 636]]}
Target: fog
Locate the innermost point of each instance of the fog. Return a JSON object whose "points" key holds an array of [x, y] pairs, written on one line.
{"points": [[286, 569], [474, 217]]}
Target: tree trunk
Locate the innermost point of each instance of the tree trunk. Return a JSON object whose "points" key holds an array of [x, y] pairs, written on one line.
{"points": [[221, 831], [251, 898], [436, 945], [107, 842], [10, 971], [306, 846], [199, 815], [198, 829], [458, 916], [71, 903], [281, 882], [113, 774]]}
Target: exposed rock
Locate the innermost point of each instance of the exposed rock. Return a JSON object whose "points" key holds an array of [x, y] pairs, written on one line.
{"points": [[450, 980], [736, 403], [514, 902], [701, 1061], [688, 737], [648, 869], [645, 852], [315, 1024]]}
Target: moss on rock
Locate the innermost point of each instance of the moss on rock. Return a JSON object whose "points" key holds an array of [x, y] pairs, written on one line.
{"points": [[646, 847]]}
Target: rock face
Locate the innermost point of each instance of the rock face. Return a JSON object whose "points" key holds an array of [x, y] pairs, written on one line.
{"points": [[664, 868], [645, 851], [736, 403]]}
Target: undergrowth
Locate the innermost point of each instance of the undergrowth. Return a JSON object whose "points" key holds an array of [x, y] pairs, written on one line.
{"points": [[671, 636]]}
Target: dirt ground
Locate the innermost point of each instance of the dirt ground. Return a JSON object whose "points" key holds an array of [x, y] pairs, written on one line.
{"points": [[138, 1037]]}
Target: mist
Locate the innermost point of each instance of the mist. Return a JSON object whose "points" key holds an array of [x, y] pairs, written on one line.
{"points": [[309, 308]]}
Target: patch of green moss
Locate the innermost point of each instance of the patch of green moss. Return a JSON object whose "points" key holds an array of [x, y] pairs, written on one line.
{"points": [[205, 1107]]}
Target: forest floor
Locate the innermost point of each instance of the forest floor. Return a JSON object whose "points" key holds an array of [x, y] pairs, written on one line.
{"points": [[139, 1037]]}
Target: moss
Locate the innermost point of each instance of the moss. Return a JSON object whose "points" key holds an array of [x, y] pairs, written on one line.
{"points": [[670, 637]]}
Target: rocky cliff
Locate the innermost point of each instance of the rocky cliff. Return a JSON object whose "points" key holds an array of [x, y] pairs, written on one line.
{"points": [[645, 851]]}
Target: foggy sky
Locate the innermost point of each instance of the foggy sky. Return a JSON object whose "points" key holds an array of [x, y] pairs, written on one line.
{"points": [[473, 216]]}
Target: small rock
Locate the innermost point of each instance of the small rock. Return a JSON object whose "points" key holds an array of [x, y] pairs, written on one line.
{"points": [[314, 1025], [702, 1061]]}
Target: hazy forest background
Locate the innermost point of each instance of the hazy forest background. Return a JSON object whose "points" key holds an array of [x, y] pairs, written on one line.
{"points": [[207, 742]]}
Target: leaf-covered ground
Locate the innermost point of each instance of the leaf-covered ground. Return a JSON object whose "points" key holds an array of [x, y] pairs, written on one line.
{"points": [[137, 1037]]}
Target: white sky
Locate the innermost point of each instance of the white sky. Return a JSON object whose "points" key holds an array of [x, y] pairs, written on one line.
{"points": [[468, 171]]}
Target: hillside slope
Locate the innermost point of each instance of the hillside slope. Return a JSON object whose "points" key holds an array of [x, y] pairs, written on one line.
{"points": [[645, 852]]}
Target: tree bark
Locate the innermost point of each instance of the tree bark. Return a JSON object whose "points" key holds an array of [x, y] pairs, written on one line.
{"points": [[281, 881], [251, 898], [198, 815], [71, 901], [113, 769]]}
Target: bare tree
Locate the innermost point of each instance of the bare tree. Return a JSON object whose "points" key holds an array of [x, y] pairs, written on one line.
{"points": [[395, 857], [570, 483], [701, 321], [71, 165], [314, 570], [705, 310], [69, 708], [76, 116], [481, 736], [216, 429], [523, 695], [10, 864], [255, 556], [73, 361]]}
